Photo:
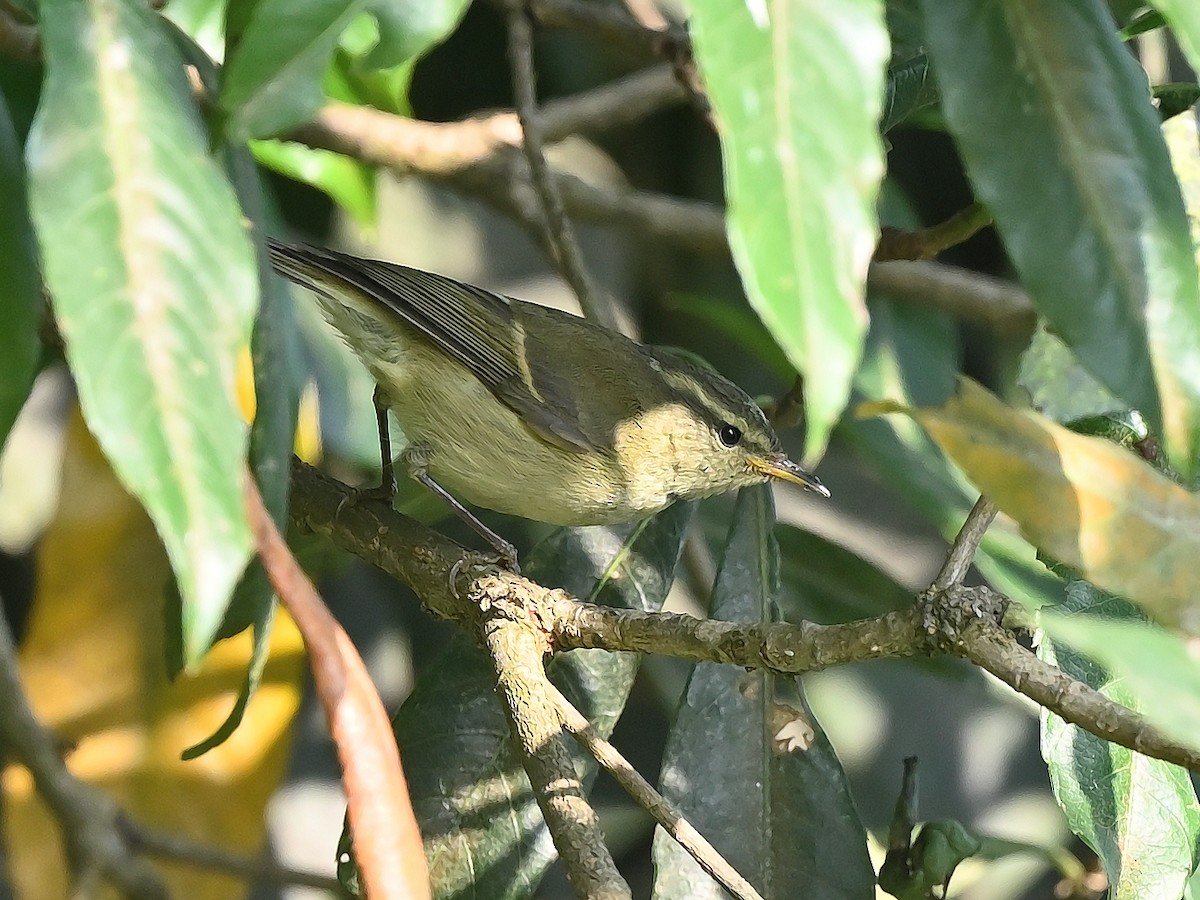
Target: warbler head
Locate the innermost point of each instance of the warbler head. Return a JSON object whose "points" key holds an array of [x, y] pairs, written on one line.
{"points": [[703, 436]]}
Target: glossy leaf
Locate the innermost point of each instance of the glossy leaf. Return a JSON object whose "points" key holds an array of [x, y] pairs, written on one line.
{"points": [[484, 833], [273, 70], [747, 761], [348, 182], [910, 88], [20, 288], [1086, 502], [1102, 241], [796, 89], [1139, 814], [153, 284], [408, 28], [274, 352]]}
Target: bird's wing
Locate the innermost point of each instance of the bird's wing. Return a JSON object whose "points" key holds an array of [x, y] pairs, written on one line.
{"points": [[477, 328]]}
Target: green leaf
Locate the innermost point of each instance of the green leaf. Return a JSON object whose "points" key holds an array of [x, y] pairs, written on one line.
{"points": [[1156, 664], [272, 76], [1175, 99], [796, 89], [348, 182], [1184, 19], [274, 352], [1051, 115], [20, 284], [1139, 814], [153, 284], [774, 800], [910, 88], [484, 834], [1059, 387], [410, 28]]}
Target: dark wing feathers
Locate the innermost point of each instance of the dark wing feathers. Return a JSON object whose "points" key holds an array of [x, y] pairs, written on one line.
{"points": [[479, 329]]}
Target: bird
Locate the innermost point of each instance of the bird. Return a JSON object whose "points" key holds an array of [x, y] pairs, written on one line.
{"points": [[532, 411]]}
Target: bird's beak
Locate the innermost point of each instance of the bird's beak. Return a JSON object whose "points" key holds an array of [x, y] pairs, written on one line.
{"points": [[779, 466]]}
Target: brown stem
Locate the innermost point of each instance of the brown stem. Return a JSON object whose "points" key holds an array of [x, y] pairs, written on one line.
{"points": [[666, 813], [557, 232], [96, 849], [516, 650], [387, 841], [926, 243]]}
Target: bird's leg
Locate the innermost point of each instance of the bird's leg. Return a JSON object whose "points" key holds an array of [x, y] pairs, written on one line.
{"points": [[416, 459], [387, 484], [386, 489]]}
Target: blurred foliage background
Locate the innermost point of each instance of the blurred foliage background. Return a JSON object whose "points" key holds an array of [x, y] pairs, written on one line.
{"points": [[880, 539]]}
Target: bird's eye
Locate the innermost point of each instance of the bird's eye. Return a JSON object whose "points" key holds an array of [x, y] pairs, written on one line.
{"points": [[729, 434]]}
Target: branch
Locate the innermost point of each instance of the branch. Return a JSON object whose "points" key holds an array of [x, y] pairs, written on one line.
{"points": [[926, 243], [669, 816], [993, 648], [609, 23], [959, 621], [557, 233], [96, 848], [517, 646], [967, 295], [443, 148], [966, 543], [387, 842], [253, 871]]}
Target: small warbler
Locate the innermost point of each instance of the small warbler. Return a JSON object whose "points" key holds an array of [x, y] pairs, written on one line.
{"points": [[532, 411]]}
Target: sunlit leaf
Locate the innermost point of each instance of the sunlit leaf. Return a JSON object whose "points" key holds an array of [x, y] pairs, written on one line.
{"points": [[1086, 502], [153, 283], [1139, 814], [797, 89], [1082, 192], [273, 70], [911, 358], [348, 182], [1184, 18]]}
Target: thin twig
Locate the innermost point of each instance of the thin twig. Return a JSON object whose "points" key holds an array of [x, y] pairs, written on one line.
{"points": [[96, 850], [516, 650], [666, 813], [926, 243], [559, 234], [966, 542], [254, 871]]}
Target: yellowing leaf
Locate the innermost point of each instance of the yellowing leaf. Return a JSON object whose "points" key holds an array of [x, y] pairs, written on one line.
{"points": [[1085, 501], [93, 665]]}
